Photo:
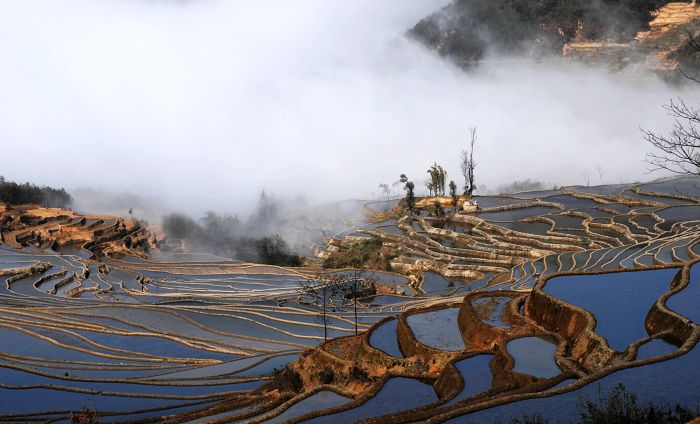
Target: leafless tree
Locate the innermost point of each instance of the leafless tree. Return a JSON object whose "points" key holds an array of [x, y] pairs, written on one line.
{"points": [[338, 290], [357, 285], [679, 151], [587, 178], [599, 170], [467, 164], [324, 290], [384, 187], [429, 185]]}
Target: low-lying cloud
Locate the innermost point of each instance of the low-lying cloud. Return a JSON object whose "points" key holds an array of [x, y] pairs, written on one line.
{"points": [[205, 103]]}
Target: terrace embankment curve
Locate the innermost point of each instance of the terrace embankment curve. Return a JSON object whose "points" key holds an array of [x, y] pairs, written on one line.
{"points": [[463, 318]]}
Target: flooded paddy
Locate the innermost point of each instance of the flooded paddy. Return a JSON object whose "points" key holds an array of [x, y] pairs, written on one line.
{"points": [[619, 301], [534, 356], [437, 329], [142, 338]]}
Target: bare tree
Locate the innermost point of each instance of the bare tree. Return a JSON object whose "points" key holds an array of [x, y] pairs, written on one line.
{"points": [[599, 170], [467, 164], [679, 151], [384, 187], [587, 178], [324, 290], [359, 285], [338, 290]]}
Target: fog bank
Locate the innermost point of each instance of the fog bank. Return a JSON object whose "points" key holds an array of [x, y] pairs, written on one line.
{"points": [[205, 103]]}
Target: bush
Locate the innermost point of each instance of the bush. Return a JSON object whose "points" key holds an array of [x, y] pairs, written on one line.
{"points": [[326, 376], [86, 416], [357, 373], [221, 235], [179, 226], [287, 378], [620, 407], [359, 255], [529, 419], [272, 250]]}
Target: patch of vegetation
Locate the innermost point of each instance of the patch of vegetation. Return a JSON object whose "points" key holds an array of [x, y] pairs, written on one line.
{"points": [[620, 407], [20, 194], [362, 254], [521, 186], [357, 373], [288, 379], [466, 29], [86, 416], [529, 419], [273, 250], [326, 376], [221, 235]]}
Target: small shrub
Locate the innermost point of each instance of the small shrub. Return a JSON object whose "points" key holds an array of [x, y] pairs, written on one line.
{"points": [[357, 373], [273, 250], [529, 419], [366, 253], [287, 378], [86, 416], [621, 407], [326, 376]]}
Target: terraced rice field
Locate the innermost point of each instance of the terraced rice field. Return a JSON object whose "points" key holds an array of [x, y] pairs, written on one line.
{"points": [[472, 321]]}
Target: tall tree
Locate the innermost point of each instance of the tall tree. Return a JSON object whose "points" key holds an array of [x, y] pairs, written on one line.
{"points": [[468, 165], [384, 187], [430, 186], [599, 170], [438, 175], [442, 178], [453, 193], [410, 195]]}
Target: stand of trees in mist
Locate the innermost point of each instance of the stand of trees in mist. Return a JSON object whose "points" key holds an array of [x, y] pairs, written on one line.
{"points": [[521, 186], [19, 194], [438, 178], [465, 29], [227, 236]]}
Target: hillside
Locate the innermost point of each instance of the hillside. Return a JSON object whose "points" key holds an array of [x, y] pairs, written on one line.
{"points": [[618, 32]]}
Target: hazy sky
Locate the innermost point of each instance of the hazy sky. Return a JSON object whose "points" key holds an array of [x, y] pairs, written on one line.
{"points": [[204, 103]]}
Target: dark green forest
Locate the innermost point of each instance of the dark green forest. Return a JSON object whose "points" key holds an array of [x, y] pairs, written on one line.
{"points": [[18, 194]]}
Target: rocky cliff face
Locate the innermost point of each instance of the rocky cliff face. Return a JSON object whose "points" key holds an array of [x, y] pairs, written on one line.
{"points": [[619, 33]]}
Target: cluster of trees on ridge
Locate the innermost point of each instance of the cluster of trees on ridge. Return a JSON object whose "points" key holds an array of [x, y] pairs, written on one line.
{"points": [[18, 194], [438, 176]]}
